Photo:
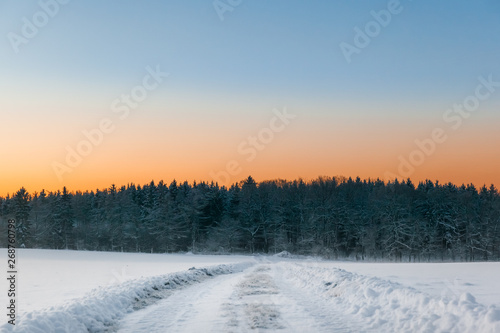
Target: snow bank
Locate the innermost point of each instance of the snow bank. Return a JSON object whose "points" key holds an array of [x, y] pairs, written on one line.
{"points": [[283, 254], [99, 310], [439, 279], [388, 306], [54, 277]]}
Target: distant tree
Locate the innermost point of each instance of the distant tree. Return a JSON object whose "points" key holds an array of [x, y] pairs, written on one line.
{"points": [[22, 208], [331, 216], [62, 221], [40, 224]]}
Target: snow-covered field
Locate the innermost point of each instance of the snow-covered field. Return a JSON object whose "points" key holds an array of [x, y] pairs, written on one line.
{"points": [[49, 277], [71, 291]]}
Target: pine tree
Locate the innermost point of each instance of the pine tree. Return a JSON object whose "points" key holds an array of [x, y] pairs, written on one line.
{"points": [[22, 210]]}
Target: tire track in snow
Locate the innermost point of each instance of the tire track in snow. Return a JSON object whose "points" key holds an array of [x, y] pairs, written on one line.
{"points": [[253, 304], [267, 302], [321, 315], [257, 300], [193, 309]]}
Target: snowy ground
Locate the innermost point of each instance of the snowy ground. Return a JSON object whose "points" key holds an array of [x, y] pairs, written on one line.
{"points": [[49, 277], [438, 279], [63, 291]]}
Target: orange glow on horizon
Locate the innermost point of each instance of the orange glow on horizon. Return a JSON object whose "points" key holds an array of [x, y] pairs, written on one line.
{"points": [[190, 149]]}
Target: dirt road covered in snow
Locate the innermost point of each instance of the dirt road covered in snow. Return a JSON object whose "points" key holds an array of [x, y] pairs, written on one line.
{"points": [[262, 294], [259, 299], [281, 296]]}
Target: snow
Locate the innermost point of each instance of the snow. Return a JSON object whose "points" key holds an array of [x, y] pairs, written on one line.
{"points": [[100, 309], [388, 306], [438, 279], [198, 309], [284, 254], [52, 277], [63, 291]]}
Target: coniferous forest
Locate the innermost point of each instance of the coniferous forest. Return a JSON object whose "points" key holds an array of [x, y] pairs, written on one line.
{"points": [[331, 217]]}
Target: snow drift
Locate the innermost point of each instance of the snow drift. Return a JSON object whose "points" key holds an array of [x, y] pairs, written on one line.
{"points": [[103, 307], [389, 306]]}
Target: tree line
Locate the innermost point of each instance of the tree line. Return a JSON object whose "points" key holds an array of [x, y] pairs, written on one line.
{"points": [[331, 217]]}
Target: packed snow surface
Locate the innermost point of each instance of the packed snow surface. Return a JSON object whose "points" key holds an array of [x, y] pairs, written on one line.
{"points": [[192, 293], [52, 277]]}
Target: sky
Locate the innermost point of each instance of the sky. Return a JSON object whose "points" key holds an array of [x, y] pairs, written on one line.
{"points": [[95, 93]]}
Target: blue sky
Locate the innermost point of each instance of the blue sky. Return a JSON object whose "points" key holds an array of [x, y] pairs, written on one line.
{"points": [[283, 47]]}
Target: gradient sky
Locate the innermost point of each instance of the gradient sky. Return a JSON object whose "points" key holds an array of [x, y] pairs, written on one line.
{"points": [[227, 76]]}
